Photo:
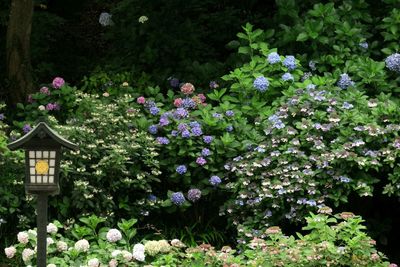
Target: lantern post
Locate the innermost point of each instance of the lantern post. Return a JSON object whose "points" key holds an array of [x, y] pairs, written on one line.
{"points": [[42, 147]]}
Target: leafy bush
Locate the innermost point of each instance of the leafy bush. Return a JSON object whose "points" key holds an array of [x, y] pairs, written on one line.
{"points": [[332, 240], [115, 166]]}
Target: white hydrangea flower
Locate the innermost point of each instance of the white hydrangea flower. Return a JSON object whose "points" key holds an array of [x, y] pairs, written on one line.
{"points": [[143, 19], [27, 254], [138, 252], [152, 247], [105, 19], [41, 107], [49, 241], [115, 253], [113, 263], [32, 232], [114, 235], [82, 245], [62, 246], [10, 252], [23, 237], [127, 255], [51, 265], [93, 262], [52, 228]]}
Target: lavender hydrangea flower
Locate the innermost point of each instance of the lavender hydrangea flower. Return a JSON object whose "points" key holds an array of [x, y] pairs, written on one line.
{"points": [[261, 84], [215, 180], [163, 121], [273, 58], [154, 110], [207, 139], [196, 131], [194, 194], [345, 81], [180, 113], [153, 129], [181, 169], [178, 198], [287, 77], [1, 116], [229, 128], [230, 113], [393, 62], [217, 115], [174, 133], [174, 82], [363, 45], [194, 124], [201, 161], [213, 85], [27, 128], [290, 62], [163, 140], [205, 152], [347, 105], [152, 198], [182, 127]]}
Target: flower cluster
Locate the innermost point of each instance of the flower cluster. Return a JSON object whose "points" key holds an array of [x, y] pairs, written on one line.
{"points": [[261, 83], [178, 198]]}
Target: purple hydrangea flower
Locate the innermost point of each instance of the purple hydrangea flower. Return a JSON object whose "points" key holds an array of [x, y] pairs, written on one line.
{"points": [[58, 82], [345, 81], [154, 110], [205, 152], [261, 84], [215, 180], [1, 116], [194, 194], [45, 90], [181, 169], [174, 133], [363, 45], [290, 62], [163, 121], [273, 58], [213, 85], [163, 140], [347, 105], [217, 115], [207, 139], [197, 131], [194, 124], [230, 113], [174, 82], [180, 113], [186, 134], [153, 129], [393, 62], [188, 103], [178, 198], [201, 161], [229, 128], [182, 127], [50, 106], [287, 77], [26, 128]]}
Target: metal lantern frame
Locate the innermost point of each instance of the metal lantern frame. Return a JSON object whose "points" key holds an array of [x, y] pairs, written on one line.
{"points": [[42, 144]]}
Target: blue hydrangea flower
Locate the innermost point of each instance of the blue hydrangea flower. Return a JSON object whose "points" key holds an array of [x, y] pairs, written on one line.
{"points": [[194, 194], [230, 113], [287, 77], [174, 133], [215, 180], [149, 104], [182, 127], [363, 45], [273, 58], [347, 105], [153, 129], [26, 128], [229, 128], [261, 83], [194, 124], [393, 62], [1, 116], [311, 202], [186, 134], [154, 110], [311, 64], [290, 62], [188, 103], [163, 140], [181, 169], [207, 139], [205, 152], [178, 198], [217, 115], [310, 87], [345, 81], [163, 121], [344, 179], [196, 131], [152, 197]]}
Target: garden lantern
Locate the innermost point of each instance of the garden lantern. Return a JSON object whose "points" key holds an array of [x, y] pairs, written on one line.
{"points": [[42, 147]]}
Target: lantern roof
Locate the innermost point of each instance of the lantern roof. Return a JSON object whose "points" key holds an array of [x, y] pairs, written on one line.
{"points": [[41, 130]]}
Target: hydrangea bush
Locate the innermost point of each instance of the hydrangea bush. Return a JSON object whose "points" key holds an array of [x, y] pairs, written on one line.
{"points": [[111, 174], [337, 240]]}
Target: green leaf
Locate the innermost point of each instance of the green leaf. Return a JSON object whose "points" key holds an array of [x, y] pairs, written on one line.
{"points": [[302, 37]]}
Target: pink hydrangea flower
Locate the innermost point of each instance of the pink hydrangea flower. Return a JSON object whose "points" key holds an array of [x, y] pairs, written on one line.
{"points": [[10, 252], [178, 102], [45, 90], [141, 100], [30, 99], [23, 237], [58, 82], [187, 89], [202, 97]]}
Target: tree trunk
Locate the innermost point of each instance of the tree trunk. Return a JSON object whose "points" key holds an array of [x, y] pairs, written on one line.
{"points": [[19, 69]]}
